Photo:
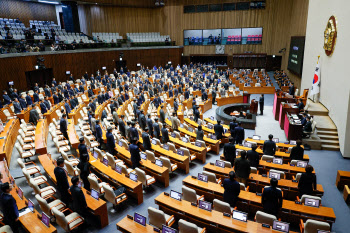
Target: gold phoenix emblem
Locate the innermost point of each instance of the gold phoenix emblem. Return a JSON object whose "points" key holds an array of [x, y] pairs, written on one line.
{"points": [[330, 35]]}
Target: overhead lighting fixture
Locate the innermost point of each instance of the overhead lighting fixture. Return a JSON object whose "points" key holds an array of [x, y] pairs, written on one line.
{"points": [[48, 2]]}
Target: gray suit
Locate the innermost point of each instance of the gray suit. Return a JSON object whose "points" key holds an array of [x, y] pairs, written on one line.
{"points": [[174, 123], [200, 135]]}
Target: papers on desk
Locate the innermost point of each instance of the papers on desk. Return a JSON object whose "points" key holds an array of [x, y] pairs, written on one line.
{"points": [[25, 211]]}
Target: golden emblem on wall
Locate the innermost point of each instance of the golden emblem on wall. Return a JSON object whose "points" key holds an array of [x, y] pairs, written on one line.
{"points": [[330, 35]]}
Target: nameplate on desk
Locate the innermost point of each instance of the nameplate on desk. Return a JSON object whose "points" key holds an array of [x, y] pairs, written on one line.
{"points": [[156, 229], [2, 137], [193, 204], [212, 164], [295, 181], [298, 202], [264, 175], [130, 217], [166, 194], [266, 225], [194, 177], [227, 215], [259, 194]]}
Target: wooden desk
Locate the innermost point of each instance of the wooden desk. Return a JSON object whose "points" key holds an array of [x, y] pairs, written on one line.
{"points": [[289, 170], [343, 178], [229, 100], [206, 129], [260, 90], [97, 207], [41, 132], [72, 134], [292, 130], [75, 113], [280, 144], [227, 127], [24, 114], [213, 221], [284, 109], [205, 106], [134, 189], [277, 104], [49, 115], [8, 139], [250, 202], [30, 222], [161, 174], [127, 225], [201, 152]]}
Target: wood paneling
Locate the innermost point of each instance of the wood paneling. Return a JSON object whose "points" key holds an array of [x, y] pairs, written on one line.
{"points": [[13, 69], [26, 11]]}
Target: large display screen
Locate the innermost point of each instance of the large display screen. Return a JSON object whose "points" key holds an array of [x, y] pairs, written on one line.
{"points": [[296, 54]]}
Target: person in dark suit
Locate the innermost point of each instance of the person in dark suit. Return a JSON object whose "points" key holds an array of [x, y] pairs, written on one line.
{"points": [[196, 114], [269, 147], [62, 181], [253, 157], [271, 198], [307, 183], [165, 134], [219, 130], [297, 152], [22, 102], [121, 125], [146, 140], [67, 107], [187, 94], [133, 132], [230, 151], [7, 99], [110, 142], [232, 189], [84, 167], [149, 123], [135, 153], [308, 125], [43, 107], [9, 208], [79, 201], [300, 105], [162, 114], [82, 147], [17, 106], [261, 104], [33, 115], [142, 120], [36, 96], [239, 133], [233, 125], [156, 129], [90, 92], [200, 133], [28, 99], [55, 97], [64, 126], [303, 119], [242, 168], [291, 89], [98, 133]]}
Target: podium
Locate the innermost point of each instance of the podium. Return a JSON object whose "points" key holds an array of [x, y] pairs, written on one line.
{"points": [[246, 97], [253, 106]]}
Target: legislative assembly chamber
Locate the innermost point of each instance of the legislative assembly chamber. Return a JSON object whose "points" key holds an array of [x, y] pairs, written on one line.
{"points": [[174, 116]]}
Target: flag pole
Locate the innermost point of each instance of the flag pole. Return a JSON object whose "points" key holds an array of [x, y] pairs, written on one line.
{"points": [[313, 96]]}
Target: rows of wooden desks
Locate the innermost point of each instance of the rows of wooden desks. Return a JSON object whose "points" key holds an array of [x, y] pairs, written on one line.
{"points": [[30, 221], [75, 113], [250, 202], [221, 101], [213, 221], [41, 133], [96, 207], [343, 178], [72, 134], [8, 139], [51, 114], [260, 90], [206, 129], [257, 182], [214, 144]]}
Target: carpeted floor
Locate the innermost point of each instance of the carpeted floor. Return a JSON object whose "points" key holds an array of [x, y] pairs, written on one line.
{"points": [[326, 164]]}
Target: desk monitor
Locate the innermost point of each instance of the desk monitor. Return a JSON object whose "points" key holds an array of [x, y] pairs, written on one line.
{"points": [[181, 125], [159, 163], [191, 118], [140, 219], [45, 219], [185, 140], [277, 161], [292, 142], [173, 135], [190, 129], [248, 144], [95, 155], [238, 215], [276, 140], [120, 143], [31, 205], [302, 163], [154, 142], [280, 226], [274, 175], [312, 202], [105, 161], [199, 144], [118, 169], [143, 156], [213, 137], [166, 229], [175, 195], [95, 194], [202, 177], [210, 126], [180, 152], [204, 205], [256, 137], [20, 193], [133, 177], [166, 147], [220, 163], [211, 118]]}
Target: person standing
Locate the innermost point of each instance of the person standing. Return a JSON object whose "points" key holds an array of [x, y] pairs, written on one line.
{"points": [[307, 183], [156, 128], [239, 133], [62, 181], [174, 122], [271, 198], [84, 167], [110, 142], [261, 104], [82, 147], [79, 201], [98, 134], [165, 134], [162, 114], [135, 153], [200, 133], [242, 168], [230, 151], [9, 208], [253, 156], [297, 152], [219, 130], [232, 189], [146, 140], [64, 126], [269, 147], [233, 125]]}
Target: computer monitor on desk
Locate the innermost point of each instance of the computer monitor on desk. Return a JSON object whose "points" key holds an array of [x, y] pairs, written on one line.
{"points": [[220, 163], [166, 229], [202, 177], [180, 152], [292, 142], [45, 219], [302, 163], [175, 195], [276, 140], [159, 162], [204, 205], [274, 175], [312, 202], [118, 169], [143, 156], [140, 219], [20, 193], [133, 177], [256, 137], [280, 226], [238, 215], [277, 161], [95, 194]]}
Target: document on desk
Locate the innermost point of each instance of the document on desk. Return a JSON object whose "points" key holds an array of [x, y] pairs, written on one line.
{"points": [[25, 211]]}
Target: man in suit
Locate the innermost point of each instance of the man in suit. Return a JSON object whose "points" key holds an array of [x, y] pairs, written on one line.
{"points": [[233, 125], [187, 94], [239, 133], [22, 102], [47, 91], [82, 147], [62, 181], [93, 123], [135, 153], [156, 129], [67, 107], [196, 113], [269, 147], [300, 105], [162, 114], [64, 126], [142, 120], [78, 197], [232, 189], [55, 97], [149, 122], [291, 89], [17, 106], [174, 122], [33, 115], [121, 125], [307, 183], [98, 133], [253, 157], [242, 168], [271, 198], [297, 152], [303, 119], [110, 142], [7, 99], [9, 208], [308, 126], [230, 151], [43, 107], [146, 140], [261, 104], [133, 132], [165, 134], [90, 92], [219, 130], [36, 96], [28, 99], [200, 133]]}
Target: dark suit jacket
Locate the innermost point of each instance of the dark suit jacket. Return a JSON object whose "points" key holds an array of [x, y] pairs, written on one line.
{"points": [[146, 141], [242, 168], [110, 141], [291, 90], [269, 147], [239, 133], [61, 177], [43, 107], [36, 97], [200, 135], [17, 107], [149, 123], [134, 133], [161, 116], [230, 152], [219, 130], [121, 126], [165, 135], [156, 130], [232, 190], [272, 200], [23, 103], [297, 153], [307, 183], [98, 133], [33, 116], [82, 149], [308, 127], [232, 128], [135, 153], [79, 201], [142, 121], [253, 158], [63, 125]]}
